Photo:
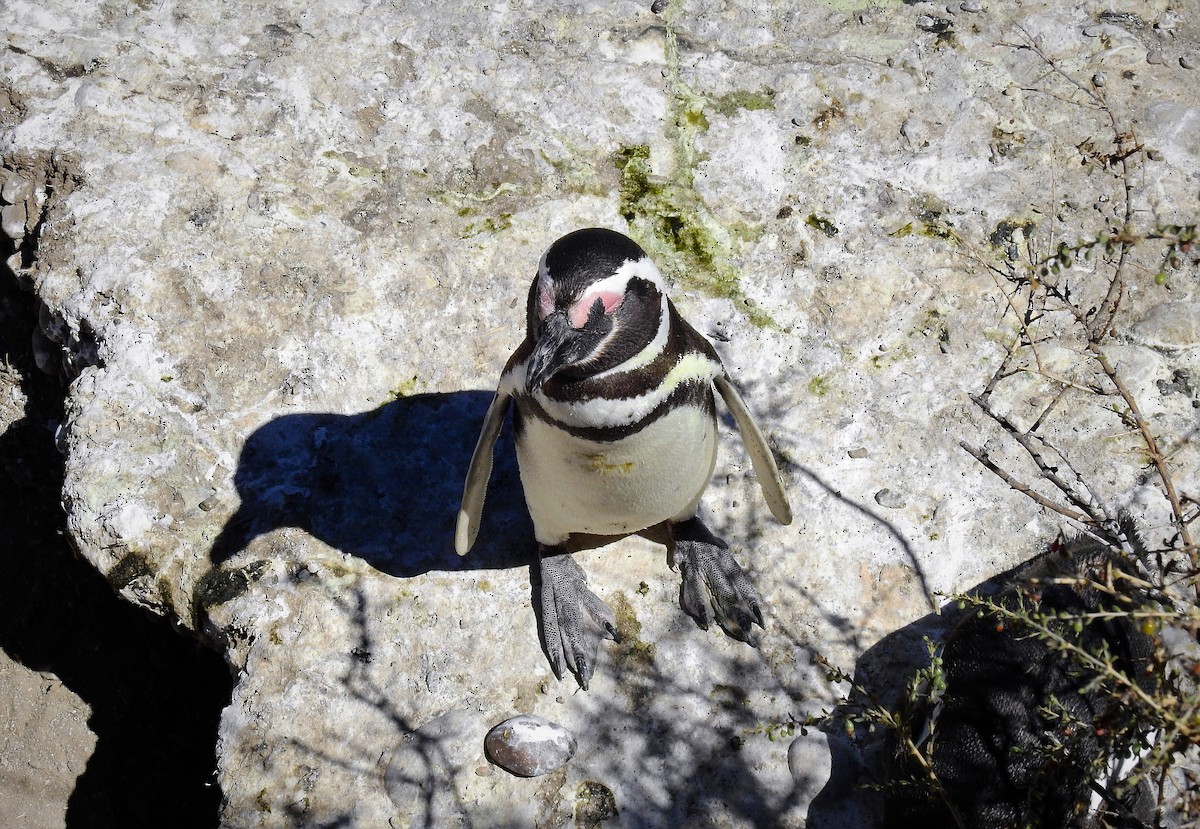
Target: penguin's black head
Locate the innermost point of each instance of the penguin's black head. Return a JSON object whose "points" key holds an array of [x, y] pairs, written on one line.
{"points": [[597, 300]]}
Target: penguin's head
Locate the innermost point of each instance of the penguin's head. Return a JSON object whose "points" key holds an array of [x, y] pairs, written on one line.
{"points": [[597, 300]]}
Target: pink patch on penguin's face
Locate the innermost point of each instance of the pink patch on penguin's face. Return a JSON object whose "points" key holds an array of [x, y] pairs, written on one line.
{"points": [[578, 314], [545, 301]]}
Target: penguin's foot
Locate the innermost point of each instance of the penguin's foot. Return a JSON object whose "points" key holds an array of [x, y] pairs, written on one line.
{"points": [[714, 585], [574, 620]]}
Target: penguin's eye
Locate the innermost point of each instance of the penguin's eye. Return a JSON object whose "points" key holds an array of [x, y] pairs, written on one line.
{"points": [[581, 309]]}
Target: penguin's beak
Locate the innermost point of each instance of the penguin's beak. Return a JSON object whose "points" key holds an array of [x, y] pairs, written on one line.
{"points": [[554, 338]]}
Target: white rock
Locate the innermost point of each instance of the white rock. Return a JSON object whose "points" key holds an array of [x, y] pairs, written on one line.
{"points": [[12, 220], [529, 746], [1174, 324]]}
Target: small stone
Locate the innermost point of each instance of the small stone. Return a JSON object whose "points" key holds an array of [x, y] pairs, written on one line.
{"points": [[529, 746], [971, 6], [12, 218], [889, 498], [1156, 57], [659, 6], [858, 452], [16, 188], [1098, 79], [1187, 62], [933, 25]]}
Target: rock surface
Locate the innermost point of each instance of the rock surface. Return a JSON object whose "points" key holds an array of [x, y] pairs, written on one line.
{"points": [[284, 250]]}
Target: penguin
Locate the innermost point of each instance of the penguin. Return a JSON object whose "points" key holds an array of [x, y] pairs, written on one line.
{"points": [[614, 416]]}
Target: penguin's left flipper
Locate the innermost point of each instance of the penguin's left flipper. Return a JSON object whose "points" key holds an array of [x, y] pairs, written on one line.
{"points": [[714, 585], [760, 454], [480, 470], [574, 620]]}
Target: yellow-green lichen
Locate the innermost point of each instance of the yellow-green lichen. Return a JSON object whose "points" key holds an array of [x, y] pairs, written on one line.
{"points": [[670, 220], [490, 224], [594, 804], [666, 213], [818, 386], [930, 211], [822, 224], [577, 172], [634, 654], [731, 102], [405, 388]]}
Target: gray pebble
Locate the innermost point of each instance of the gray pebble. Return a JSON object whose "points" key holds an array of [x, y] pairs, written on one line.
{"points": [[971, 6], [890, 499], [934, 25], [858, 452], [1156, 57], [529, 746], [16, 188], [1098, 79], [1187, 62]]}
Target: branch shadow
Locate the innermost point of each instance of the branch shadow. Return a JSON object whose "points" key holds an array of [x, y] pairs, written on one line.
{"points": [[383, 485]]}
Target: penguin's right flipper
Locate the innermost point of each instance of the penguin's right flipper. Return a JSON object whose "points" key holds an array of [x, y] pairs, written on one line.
{"points": [[760, 454], [573, 618], [478, 474]]}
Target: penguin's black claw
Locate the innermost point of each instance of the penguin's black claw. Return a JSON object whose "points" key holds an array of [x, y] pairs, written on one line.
{"points": [[574, 620], [714, 586]]}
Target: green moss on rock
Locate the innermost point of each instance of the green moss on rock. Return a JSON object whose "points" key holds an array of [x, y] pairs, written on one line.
{"points": [[669, 219], [220, 585], [594, 804], [130, 568]]}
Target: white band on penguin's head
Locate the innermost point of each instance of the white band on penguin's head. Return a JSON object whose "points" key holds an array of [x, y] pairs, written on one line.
{"points": [[642, 268]]}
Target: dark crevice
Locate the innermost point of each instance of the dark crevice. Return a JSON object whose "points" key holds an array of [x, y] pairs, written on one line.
{"points": [[155, 696]]}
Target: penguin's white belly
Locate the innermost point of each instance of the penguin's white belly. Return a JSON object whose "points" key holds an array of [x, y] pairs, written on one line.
{"points": [[574, 485]]}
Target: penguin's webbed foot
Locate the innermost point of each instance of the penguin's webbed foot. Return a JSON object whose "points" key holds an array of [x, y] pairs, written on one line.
{"points": [[714, 585], [574, 620]]}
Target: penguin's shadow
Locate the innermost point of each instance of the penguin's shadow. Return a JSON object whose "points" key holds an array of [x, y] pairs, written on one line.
{"points": [[383, 485]]}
